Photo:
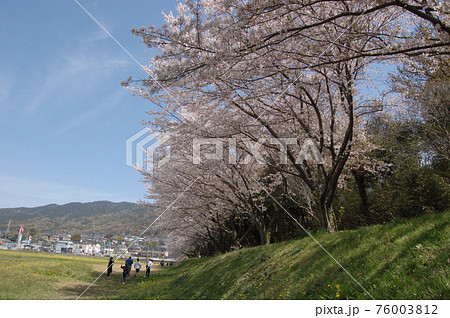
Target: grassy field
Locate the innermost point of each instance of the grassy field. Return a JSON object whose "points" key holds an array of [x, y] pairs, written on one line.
{"points": [[405, 259], [29, 275]]}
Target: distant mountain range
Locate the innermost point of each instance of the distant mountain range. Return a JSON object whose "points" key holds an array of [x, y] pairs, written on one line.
{"points": [[94, 217]]}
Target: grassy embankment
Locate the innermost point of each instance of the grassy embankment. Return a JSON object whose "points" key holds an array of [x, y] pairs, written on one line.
{"points": [[405, 259]]}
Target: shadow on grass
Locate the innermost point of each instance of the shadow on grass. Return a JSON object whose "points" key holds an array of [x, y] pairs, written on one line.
{"points": [[104, 288]]}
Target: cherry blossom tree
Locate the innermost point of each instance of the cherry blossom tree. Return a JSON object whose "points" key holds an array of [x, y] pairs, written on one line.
{"points": [[263, 72]]}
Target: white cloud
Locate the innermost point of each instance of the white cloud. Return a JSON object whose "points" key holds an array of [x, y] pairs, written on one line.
{"points": [[98, 35], [6, 87], [98, 110], [74, 71]]}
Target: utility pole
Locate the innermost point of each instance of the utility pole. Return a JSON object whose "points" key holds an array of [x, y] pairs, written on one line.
{"points": [[7, 229]]}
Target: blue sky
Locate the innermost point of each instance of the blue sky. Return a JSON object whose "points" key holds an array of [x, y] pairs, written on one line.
{"points": [[64, 115]]}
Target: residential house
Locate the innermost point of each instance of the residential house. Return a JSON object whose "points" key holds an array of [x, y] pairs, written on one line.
{"points": [[64, 247]]}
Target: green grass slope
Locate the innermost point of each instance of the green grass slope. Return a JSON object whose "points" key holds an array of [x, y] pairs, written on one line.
{"points": [[404, 259]]}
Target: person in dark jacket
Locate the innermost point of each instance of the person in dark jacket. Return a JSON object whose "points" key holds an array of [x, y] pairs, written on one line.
{"points": [[125, 272], [110, 266]]}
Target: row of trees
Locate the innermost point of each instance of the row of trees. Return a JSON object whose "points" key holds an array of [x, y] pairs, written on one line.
{"points": [[254, 75]]}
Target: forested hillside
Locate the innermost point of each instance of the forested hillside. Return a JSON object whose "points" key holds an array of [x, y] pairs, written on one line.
{"points": [[93, 217]]}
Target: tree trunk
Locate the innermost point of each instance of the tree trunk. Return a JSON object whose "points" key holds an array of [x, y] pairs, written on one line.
{"points": [[325, 217], [262, 234], [359, 175]]}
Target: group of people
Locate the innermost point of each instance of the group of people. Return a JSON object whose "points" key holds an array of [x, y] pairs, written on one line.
{"points": [[127, 267]]}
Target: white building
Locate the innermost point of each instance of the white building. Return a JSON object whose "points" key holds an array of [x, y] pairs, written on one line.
{"points": [[107, 250], [64, 247], [87, 249], [96, 249], [84, 249]]}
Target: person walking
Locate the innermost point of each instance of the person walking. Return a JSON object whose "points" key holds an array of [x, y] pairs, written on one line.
{"points": [[110, 266], [137, 266], [148, 267], [125, 272], [129, 263]]}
